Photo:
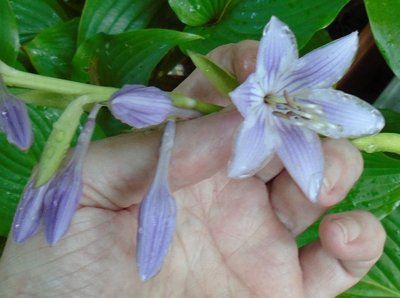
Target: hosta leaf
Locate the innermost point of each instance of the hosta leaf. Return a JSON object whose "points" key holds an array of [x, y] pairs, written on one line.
{"points": [[385, 22], [51, 51], [199, 12], [130, 57], [9, 39], [34, 16], [115, 16], [383, 280], [246, 19]]}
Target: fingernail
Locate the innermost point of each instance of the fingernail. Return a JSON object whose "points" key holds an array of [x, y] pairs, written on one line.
{"points": [[333, 172], [349, 227]]}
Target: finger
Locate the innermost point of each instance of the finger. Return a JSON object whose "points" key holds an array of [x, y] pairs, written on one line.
{"points": [[350, 245], [343, 166], [238, 59]]}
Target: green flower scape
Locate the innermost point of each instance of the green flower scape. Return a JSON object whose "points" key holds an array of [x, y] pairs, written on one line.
{"points": [[62, 57]]}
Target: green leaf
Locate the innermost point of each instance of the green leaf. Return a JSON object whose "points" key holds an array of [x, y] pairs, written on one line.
{"points": [[378, 191], [34, 16], [9, 39], [115, 16], [223, 81], [125, 58], [383, 280], [246, 19], [60, 139], [16, 166], [385, 22], [390, 97], [52, 50], [199, 12]]}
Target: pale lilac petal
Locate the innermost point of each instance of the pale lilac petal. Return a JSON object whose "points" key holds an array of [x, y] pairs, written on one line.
{"points": [[29, 211], [14, 119], [61, 202], [276, 54], [254, 144], [157, 215], [248, 95], [65, 188], [322, 67], [301, 154], [140, 106], [351, 116]]}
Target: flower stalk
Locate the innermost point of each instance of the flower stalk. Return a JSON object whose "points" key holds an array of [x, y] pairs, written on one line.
{"points": [[382, 142], [21, 79]]}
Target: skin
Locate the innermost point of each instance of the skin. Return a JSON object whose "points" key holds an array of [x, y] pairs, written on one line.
{"points": [[234, 238]]}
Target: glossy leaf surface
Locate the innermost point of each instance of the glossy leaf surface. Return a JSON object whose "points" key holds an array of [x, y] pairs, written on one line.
{"points": [[246, 20], [385, 22], [115, 60]]}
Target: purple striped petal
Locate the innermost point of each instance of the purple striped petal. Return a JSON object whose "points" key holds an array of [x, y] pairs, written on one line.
{"points": [[302, 156], [140, 106], [248, 95], [14, 119], [65, 188], [277, 53], [29, 211], [61, 202], [157, 214], [322, 67], [352, 116], [254, 144]]}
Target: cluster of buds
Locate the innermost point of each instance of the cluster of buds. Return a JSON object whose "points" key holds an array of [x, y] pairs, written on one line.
{"points": [[57, 200]]}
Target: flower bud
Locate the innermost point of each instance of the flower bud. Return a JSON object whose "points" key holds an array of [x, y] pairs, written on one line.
{"points": [[157, 215], [14, 119], [65, 189], [29, 211], [140, 106]]}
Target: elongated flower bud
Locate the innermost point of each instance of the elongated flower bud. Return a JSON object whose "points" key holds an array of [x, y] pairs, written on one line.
{"points": [[157, 214], [65, 189], [29, 211], [14, 119], [140, 106]]}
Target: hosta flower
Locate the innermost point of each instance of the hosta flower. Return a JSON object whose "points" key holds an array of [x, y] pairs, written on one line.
{"points": [[140, 106], [58, 199], [14, 119], [288, 101], [157, 214]]}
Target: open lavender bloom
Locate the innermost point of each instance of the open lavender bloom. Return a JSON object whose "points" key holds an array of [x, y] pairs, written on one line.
{"points": [[288, 101], [14, 119], [157, 214], [58, 199], [140, 106]]}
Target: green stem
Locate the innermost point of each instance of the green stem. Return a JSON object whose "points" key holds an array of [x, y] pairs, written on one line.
{"points": [[382, 142], [17, 78]]}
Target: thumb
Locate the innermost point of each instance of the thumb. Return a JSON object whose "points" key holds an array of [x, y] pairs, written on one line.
{"points": [[118, 170]]}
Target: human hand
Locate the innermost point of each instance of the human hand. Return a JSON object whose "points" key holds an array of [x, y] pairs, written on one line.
{"points": [[234, 238]]}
